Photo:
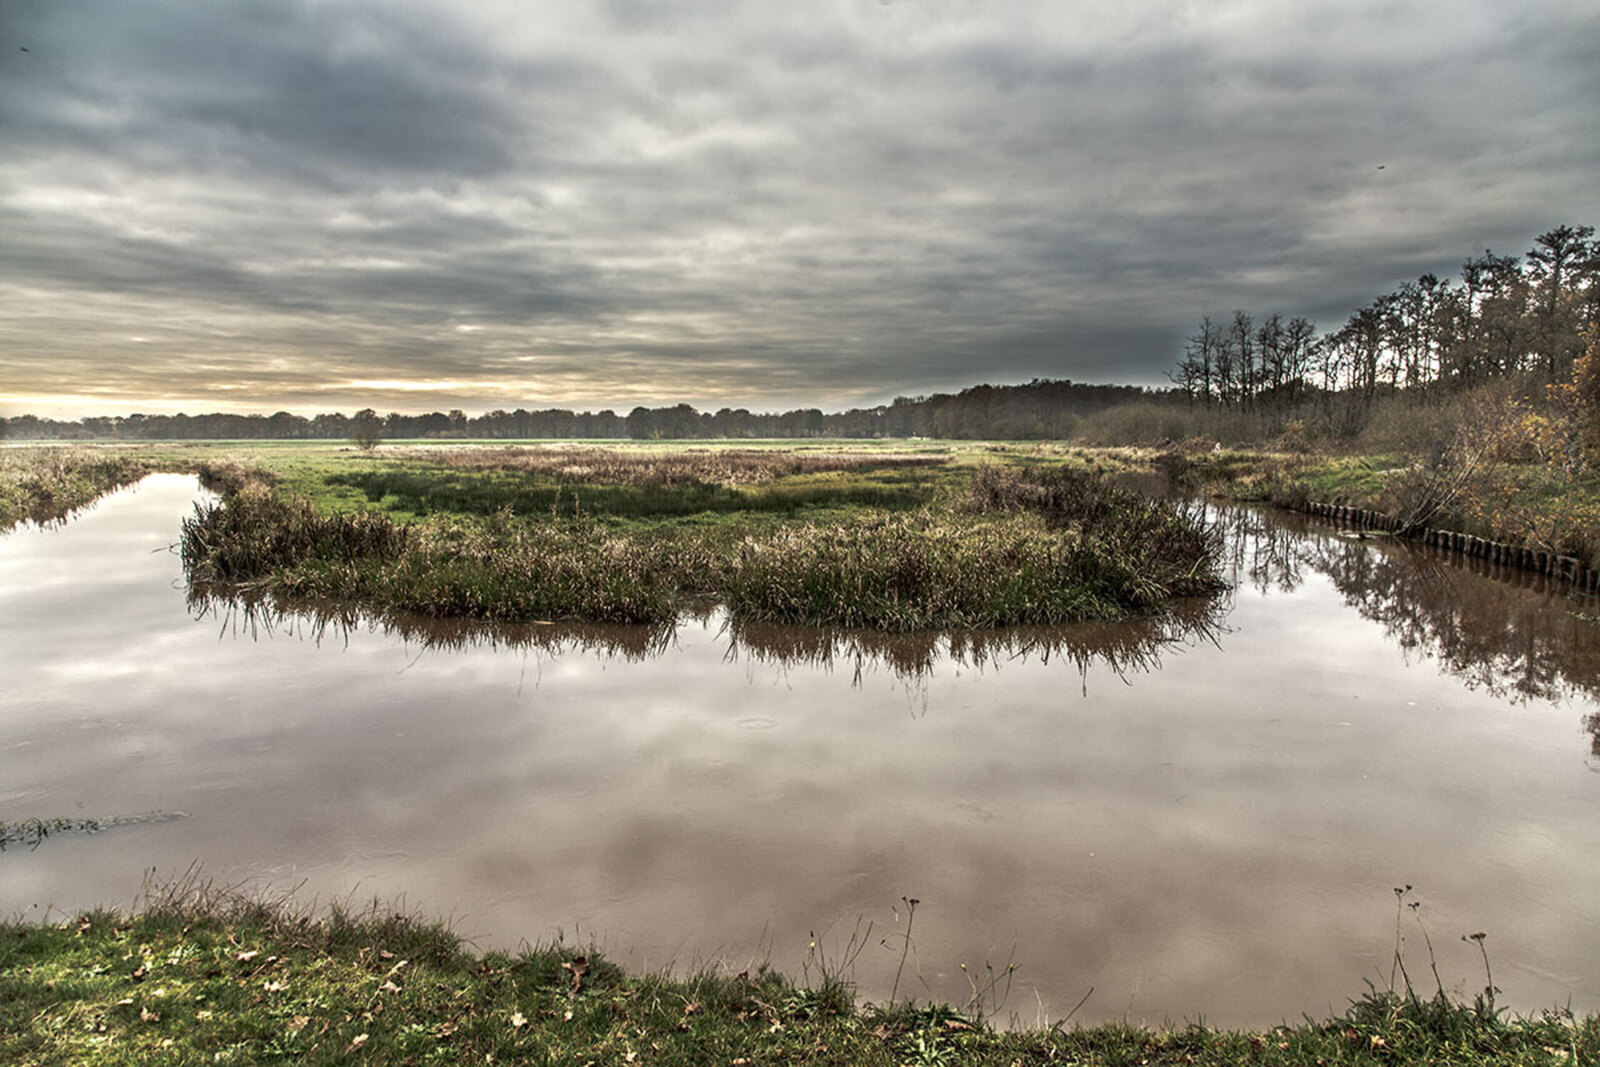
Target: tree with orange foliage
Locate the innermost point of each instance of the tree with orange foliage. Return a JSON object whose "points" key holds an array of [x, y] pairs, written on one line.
{"points": [[1577, 407], [1586, 387]]}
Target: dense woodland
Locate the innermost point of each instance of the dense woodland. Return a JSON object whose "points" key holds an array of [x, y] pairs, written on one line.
{"points": [[1505, 317], [1039, 409], [1526, 319]]}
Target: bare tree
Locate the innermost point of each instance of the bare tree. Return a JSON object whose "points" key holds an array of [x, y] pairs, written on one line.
{"points": [[1196, 373]]}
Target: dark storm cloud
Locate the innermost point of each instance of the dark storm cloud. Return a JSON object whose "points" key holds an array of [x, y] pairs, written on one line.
{"points": [[306, 90], [737, 202]]}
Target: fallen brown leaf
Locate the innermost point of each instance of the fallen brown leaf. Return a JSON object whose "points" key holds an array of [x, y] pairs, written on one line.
{"points": [[579, 966]]}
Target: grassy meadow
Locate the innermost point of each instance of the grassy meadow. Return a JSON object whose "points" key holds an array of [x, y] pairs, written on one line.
{"points": [[876, 536]]}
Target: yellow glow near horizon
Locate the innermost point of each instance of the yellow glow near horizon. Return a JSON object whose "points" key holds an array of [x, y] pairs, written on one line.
{"points": [[409, 385]]}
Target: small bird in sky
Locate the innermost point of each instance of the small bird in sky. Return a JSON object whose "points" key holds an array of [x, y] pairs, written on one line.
{"points": [[1380, 166], [24, 49]]}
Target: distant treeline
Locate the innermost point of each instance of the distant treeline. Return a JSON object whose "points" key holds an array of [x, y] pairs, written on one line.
{"points": [[1505, 316], [1040, 409]]}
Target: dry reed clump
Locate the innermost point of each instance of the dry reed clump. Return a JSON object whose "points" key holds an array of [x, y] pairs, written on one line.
{"points": [[904, 573], [1039, 545], [443, 567], [720, 467], [922, 571], [257, 533], [48, 484], [1168, 543], [571, 570]]}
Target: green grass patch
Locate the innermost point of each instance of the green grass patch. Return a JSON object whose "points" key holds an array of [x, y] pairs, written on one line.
{"points": [[418, 492], [633, 484], [207, 977]]}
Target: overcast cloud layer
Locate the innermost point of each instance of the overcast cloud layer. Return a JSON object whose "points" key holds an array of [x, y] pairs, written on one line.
{"points": [[584, 203]]}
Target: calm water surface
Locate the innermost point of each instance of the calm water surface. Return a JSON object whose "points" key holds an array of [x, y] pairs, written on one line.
{"points": [[1205, 818]]}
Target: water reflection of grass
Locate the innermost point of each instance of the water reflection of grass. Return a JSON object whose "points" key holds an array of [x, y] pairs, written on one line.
{"points": [[1124, 648], [206, 975], [254, 614]]}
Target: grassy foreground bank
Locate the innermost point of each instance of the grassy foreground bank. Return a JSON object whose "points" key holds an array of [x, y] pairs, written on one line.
{"points": [[203, 978]]}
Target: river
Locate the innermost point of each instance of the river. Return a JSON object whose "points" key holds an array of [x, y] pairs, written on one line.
{"points": [[1206, 818]]}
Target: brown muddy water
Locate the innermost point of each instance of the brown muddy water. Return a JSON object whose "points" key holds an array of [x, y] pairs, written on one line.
{"points": [[1206, 819]]}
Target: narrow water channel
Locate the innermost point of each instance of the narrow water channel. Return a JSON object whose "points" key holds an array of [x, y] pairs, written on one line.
{"points": [[1206, 817]]}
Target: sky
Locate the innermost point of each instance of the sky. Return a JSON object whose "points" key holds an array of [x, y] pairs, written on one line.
{"points": [[321, 205]]}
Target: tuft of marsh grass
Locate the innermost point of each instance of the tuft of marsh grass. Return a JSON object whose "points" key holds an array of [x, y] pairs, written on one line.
{"points": [[257, 533], [441, 568], [1039, 545]]}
